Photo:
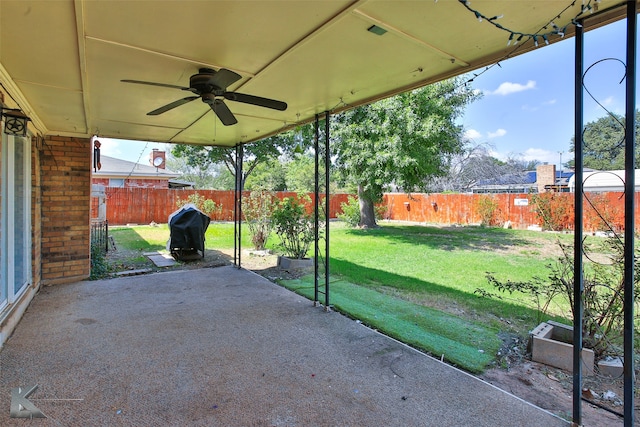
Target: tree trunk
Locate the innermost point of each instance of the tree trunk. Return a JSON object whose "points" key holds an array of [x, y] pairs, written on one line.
{"points": [[367, 212]]}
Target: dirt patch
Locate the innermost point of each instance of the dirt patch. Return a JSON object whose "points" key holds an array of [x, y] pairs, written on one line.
{"points": [[551, 389]]}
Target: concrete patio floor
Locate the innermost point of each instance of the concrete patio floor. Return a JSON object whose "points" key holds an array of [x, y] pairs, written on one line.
{"points": [[226, 347]]}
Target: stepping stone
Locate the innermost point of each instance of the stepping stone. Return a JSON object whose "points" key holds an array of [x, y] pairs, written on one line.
{"points": [[161, 260]]}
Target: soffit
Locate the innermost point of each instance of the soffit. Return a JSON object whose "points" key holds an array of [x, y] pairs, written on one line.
{"points": [[63, 61]]}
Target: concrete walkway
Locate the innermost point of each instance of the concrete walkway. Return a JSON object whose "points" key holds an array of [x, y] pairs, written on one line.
{"points": [[226, 347]]}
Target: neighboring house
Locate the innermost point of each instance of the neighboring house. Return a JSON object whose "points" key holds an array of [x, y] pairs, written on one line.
{"points": [[604, 181], [124, 174], [544, 178], [524, 182]]}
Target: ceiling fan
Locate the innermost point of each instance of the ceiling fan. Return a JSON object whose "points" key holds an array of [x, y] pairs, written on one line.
{"points": [[211, 86]]}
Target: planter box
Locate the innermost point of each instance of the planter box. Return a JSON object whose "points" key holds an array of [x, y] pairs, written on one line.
{"points": [[294, 263], [552, 344]]}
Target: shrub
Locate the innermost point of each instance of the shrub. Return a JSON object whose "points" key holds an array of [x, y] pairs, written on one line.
{"points": [[488, 209], [99, 264], [351, 212], [257, 210], [294, 226], [603, 311], [207, 206], [553, 209]]}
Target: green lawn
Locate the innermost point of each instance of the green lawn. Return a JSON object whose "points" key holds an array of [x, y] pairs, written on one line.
{"points": [[415, 283]]}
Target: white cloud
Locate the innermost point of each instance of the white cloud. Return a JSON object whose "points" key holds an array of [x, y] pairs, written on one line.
{"points": [[498, 133], [508, 88], [550, 102], [472, 134], [608, 101], [541, 155]]}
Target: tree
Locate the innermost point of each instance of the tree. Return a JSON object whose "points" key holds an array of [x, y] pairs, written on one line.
{"points": [[401, 140], [603, 143], [202, 177], [255, 153], [300, 173], [268, 175]]}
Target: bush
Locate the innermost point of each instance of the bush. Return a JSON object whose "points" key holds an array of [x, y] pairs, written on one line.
{"points": [[603, 317], [488, 209], [351, 212], [99, 264], [294, 226], [257, 210], [207, 206], [553, 210]]}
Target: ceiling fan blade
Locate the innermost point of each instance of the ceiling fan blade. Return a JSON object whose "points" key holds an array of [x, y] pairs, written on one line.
{"points": [[256, 100], [224, 114], [140, 82], [223, 78], [171, 105]]}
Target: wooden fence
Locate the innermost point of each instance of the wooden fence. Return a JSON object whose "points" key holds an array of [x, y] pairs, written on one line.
{"points": [[146, 205], [519, 209]]}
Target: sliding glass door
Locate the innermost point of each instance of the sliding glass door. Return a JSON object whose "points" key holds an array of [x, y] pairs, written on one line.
{"points": [[15, 248]]}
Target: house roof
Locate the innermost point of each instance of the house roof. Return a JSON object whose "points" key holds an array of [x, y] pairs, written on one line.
{"points": [[118, 168], [613, 180], [62, 62]]}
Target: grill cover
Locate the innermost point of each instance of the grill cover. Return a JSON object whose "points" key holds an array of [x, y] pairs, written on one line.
{"points": [[187, 227]]}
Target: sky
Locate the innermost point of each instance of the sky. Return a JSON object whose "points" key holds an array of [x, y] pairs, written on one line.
{"points": [[527, 106]]}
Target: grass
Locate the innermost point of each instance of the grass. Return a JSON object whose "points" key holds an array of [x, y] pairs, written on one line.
{"points": [[469, 345], [415, 283]]}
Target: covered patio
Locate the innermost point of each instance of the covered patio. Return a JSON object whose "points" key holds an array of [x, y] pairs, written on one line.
{"points": [[139, 70], [226, 347]]}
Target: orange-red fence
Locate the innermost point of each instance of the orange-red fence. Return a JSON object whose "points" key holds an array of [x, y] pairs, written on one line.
{"points": [[519, 209], [146, 205]]}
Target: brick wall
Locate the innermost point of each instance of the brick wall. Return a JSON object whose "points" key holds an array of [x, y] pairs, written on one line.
{"points": [[136, 183], [65, 165]]}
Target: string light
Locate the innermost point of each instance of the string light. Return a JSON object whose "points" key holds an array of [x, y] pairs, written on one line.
{"points": [[556, 30]]}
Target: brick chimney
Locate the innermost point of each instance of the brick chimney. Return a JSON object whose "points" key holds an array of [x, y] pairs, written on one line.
{"points": [[546, 175], [157, 158]]}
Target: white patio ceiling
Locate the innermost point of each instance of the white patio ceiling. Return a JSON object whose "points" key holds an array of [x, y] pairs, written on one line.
{"points": [[62, 61]]}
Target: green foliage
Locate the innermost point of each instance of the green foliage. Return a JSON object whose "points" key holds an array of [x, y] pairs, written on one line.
{"points": [[202, 157], [603, 143], [553, 209], [294, 226], [268, 175], [207, 206], [300, 174], [487, 208], [257, 210], [603, 292], [351, 212], [99, 265], [401, 140]]}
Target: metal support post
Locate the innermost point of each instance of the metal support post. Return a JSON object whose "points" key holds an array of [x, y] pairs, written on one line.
{"points": [[629, 210], [578, 225], [316, 210], [237, 218], [327, 166]]}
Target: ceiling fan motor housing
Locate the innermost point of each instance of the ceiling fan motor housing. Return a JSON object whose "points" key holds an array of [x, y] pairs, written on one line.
{"points": [[202, 83]]}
